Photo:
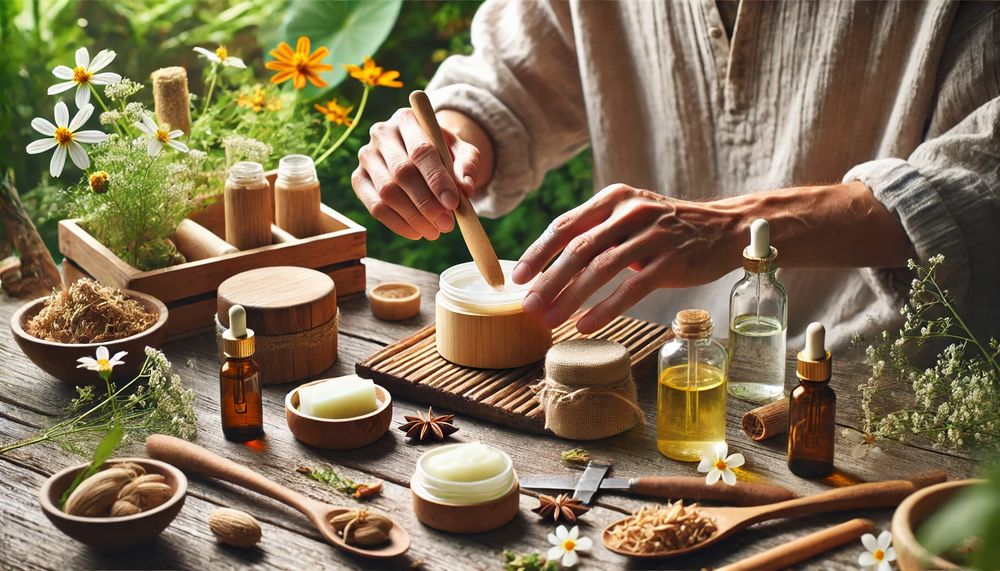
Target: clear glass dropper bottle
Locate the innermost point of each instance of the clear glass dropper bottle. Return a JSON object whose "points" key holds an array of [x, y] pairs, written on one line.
{"points": [[758, 320]]}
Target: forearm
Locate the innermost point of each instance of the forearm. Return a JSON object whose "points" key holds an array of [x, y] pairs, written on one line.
{"points": [[839, 225], [467, 129]]}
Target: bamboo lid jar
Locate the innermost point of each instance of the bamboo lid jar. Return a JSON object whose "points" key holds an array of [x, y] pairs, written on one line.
{"points": [[293, 312], [478, 326]]}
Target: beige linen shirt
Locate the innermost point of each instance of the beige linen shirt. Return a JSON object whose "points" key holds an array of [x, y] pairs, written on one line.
{"points": [[903, 97]]}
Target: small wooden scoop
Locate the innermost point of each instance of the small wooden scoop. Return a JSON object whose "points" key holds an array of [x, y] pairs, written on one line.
{"points": [[468, 222], [194, 459], [728, 521]]}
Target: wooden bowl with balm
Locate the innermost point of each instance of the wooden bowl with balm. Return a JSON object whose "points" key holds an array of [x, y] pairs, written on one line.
{"points": [[339, 414], [482, 327], [465, 488]]}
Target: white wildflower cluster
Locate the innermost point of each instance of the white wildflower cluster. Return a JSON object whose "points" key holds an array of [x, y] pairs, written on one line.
{"points": [[242, 148], [956, 402], [122, 89], [170, 406], [130, 114]]}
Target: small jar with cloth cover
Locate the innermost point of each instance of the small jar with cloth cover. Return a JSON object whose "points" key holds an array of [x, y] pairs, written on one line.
{"points": [[588, 391]]}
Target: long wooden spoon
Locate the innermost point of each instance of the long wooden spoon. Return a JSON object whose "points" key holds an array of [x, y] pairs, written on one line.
{"points": [[468, 222], [728, 521], [197, 460]]}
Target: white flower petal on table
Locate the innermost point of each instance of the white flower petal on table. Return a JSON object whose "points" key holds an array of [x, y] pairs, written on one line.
{"points": [[153, 147], [555, 552], [116, 360], [43, 126], [584, 544], [890, 554], [40, 146], [721, 450], [63, 72], [86, 363], [234, 62], [561, 532], [713, 476], [729, 477], [735, 460], [101, 60], [884, 540], [60, 87], [82, 58], [78, 155], [81, 117], [866, 559], [570, 559], [82, 95], [178, 146], [90, 136], [106, 78], [103, 353], [574, 533], [870, 543], [58, 161], [706, 464]]}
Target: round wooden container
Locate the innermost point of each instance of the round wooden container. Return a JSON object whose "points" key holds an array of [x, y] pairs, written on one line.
{"points": [[293, 313], [338, 433], [471, 518]]}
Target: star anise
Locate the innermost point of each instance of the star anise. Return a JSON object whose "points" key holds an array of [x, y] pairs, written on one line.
{"points": [[560, 508], [422, 428]]}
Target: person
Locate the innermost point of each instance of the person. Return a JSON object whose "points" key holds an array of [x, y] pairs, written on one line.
{"points": [[865, 133]]}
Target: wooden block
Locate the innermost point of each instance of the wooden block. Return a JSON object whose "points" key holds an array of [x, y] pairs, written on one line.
{"points": [[279, 300]]}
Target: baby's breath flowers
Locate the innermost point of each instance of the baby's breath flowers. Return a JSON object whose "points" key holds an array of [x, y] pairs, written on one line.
{"points": [[718, 465], [122, 89], [85, 75], [159, 135], [241, 148], [299, 65], [956, 402], [65, 137]]}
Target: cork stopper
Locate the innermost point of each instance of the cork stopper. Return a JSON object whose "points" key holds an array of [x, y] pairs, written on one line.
{"points": [[238, 341], [692, 324], [171, 98], [588, 363], [814, 361]]}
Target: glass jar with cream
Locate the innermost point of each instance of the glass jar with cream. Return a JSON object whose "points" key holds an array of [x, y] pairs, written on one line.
{"points": [[479, 326]]}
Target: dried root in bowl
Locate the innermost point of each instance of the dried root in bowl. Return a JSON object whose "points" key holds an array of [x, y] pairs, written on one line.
{"points": [[662, 528]]}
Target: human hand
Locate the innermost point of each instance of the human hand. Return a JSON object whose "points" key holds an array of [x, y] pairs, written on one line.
{"points": [[667, 242], [402, 181]]}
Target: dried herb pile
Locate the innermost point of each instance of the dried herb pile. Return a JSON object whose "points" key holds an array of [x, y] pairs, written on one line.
{"points": [[89, 313]]}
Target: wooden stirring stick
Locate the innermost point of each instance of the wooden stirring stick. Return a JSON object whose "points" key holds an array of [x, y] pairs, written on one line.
{"points": [[798, 550], [468, 222]]}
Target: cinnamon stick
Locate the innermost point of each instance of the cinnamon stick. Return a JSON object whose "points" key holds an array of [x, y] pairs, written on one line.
{"points": [[803, 548], [766, 421]]}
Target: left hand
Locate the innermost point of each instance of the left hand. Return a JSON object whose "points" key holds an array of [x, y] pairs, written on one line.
{"points": [[667, 242]]}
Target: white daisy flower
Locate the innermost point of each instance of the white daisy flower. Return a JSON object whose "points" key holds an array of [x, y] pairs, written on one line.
{"points": [[879, 551], [65, 137], [718, 465], [566, 544], [103, 363], [158, 135], [85, 74], [221, 55]]}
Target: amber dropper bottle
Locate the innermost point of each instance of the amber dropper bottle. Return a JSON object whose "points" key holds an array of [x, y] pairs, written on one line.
{"points": [[811, 410], [239, 381]]}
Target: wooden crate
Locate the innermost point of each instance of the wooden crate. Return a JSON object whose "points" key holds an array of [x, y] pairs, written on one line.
{"points": [[189, 289]]}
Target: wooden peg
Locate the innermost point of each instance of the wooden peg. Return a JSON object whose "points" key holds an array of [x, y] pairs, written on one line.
{"points": [[468, 222]]}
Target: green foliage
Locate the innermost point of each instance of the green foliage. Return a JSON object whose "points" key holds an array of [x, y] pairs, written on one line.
{"points": [[527, 562], [105, 448], [966, 530]]}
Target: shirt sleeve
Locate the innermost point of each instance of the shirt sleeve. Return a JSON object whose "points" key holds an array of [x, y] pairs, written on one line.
{"points": [[522, 85]]}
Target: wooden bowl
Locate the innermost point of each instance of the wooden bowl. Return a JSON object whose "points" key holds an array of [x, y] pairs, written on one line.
{"points": [[338, 433], [114, 532], [394, 301], [59, 359], [911, 556], [468, 518]]}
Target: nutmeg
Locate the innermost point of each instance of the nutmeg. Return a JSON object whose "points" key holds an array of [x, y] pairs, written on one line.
{"points": [[95, 495], [234, 527]]}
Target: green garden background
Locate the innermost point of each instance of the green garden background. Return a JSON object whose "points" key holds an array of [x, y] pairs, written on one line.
{"points": [[37, 35]]}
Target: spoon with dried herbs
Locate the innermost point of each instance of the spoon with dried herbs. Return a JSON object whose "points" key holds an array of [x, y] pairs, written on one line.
{"points": [[358, 532], [677, 530]]}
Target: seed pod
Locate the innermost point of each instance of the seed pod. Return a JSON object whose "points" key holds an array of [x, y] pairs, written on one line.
{"points": [[234, 527], [379, 521], [95, 495], [136, 469], [147, 491], [124, 508], [340, 521], [367, 535]]}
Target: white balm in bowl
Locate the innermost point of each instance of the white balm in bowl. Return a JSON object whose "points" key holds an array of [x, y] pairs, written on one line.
{"points": [[480, 326], [464, 474]]}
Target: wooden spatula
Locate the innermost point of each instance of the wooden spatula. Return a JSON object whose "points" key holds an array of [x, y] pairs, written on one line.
{"points": [[468, 222]]}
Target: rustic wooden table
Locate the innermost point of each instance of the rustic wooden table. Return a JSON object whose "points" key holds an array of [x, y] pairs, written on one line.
{"points": [[30, 399]]}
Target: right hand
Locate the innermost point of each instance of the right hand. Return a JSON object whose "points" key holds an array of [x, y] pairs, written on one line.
{"points": [[402, 181]]}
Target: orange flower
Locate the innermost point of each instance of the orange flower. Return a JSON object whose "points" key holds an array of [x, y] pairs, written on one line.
{"points": [[372, 75], [258, 100], [335, 112], [298, 65]]}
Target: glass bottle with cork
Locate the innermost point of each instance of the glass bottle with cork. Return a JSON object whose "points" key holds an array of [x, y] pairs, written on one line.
{"points": [[691, 399], [812, 410], [758, 319], [239, 381]]}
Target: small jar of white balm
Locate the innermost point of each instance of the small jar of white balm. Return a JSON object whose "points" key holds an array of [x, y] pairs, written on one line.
{"points": [[479, 326], [465, 488]]}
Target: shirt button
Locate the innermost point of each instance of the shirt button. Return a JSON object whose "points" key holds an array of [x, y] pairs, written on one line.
{"points": [[715, 33]]}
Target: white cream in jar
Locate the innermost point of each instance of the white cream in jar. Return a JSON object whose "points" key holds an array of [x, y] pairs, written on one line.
{"points": [[463, 474]]}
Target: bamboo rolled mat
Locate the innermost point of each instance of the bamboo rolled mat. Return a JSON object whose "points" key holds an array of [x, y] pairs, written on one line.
{"points": [[412, 368]]}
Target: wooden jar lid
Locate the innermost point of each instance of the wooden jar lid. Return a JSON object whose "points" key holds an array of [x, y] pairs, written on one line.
{"points": [[279, 300], [587, 363]]}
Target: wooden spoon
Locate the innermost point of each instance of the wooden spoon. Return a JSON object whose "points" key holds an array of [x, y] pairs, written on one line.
{"points": [[468, 221], [194, 459], [728, 521]]}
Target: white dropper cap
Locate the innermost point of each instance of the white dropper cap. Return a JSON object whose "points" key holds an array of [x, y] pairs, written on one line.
{"points": [[815, 342], [238, 321], [760, 238]]}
